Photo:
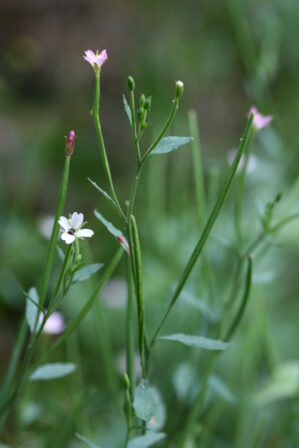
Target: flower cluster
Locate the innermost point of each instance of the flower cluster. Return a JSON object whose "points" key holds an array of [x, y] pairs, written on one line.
{"points": [[72, 228]]}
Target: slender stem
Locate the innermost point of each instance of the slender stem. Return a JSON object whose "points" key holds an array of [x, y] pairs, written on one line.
{"points": [[240, 193], [239, 315], [130, 332], [164, 129], [14, 362], [134, 129], [206, 231], [134, 190], [96, 118], [139, 290], [197, 405], [78, 319], [54, 235], [200, 192], [52, 303]]}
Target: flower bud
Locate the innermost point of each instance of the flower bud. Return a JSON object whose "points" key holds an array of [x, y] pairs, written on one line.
{"points": [[131, 83], [179, 88], [148, 103], [142, 100], [70, 142]]}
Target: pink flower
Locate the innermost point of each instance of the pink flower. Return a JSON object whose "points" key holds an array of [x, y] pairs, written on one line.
{"points": [[70, 142], [259, 121], [95, 59], [55, 324]]}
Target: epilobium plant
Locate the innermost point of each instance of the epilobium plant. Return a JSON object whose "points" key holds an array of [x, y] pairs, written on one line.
{"points": [[143, 407]]}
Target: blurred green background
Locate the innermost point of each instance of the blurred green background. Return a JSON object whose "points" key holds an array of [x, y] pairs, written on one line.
{"points": [[230, 54]]}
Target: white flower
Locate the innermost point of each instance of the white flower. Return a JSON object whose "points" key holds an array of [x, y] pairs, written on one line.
{"points": [[72, 228], [54, 324]]}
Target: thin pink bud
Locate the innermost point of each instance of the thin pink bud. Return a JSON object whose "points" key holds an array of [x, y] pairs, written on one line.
{"points": [[124, 243], [70, 143]]}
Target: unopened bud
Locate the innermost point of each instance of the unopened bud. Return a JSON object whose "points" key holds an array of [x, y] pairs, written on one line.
{"points": [[131, 83], [70, 143], [148, 103], [126, 381], [142, 100], [179, 88]]}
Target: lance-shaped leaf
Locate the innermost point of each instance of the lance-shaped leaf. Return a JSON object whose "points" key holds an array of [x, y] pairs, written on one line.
{"points": [[113, 230], [197, 341], [168, 144], [147, 440], [87, 271], [127, 109], [52, 371], [103, 192]]}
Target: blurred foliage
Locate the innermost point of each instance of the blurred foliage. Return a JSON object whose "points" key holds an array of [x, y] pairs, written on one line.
{"points": [[230, 54]]}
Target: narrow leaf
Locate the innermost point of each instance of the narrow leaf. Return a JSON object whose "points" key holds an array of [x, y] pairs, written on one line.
{"points": [[144, 401], [147, 440], [113, 230], [103, 192], [197, 341], [200, 305], [168, 144], [32, 309], [52, 371], [127, 109], [60, 253], [86, 441], [86, 272]]}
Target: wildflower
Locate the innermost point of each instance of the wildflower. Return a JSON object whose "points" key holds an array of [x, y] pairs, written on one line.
{"points": [[72, 228], [54, 324], [259, 121], [95, 59], [70, 142]]}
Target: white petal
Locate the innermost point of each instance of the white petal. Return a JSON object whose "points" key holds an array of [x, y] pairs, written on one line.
{"points": [[76, 220], [64, 223], [69, 239], [84, 233]]}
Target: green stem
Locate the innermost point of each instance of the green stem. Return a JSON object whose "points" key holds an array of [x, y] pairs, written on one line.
{"points": [[134, 190], [96, 118], [78, 319], [197, 405], [208, 227], [130, 332], [13, 362], [134, 130], [164, 129], [240, 194], [52, 304], [139, 290], [200, 192], [55, 230]]}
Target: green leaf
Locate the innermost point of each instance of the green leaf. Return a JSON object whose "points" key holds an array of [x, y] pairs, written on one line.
{"points": [[168, 144], [197, 341], [103, 192], [283, 384], [52, 371], [157, 421], [113, 230], [87, 271], [147, 440], [198, 304], [127, 109], [32, 310], [221, 389], [60, 253], [86, 441], [145, 401]]}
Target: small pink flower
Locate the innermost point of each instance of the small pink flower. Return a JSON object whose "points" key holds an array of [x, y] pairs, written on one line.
{"points": [[95, 59], [259, 121], [70, 142], [55, 324]]}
